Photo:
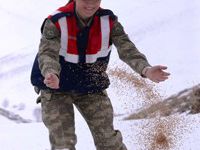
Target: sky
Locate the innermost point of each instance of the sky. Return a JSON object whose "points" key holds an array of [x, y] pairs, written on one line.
{"points": [[166, 31]]}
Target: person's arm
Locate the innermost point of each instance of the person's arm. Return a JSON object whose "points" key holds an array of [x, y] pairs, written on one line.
{"points": [[127, 50], [48, 55], [136, 60]]}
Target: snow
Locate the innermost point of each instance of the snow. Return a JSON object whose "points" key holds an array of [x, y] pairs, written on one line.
{"points": [[166, 31]]}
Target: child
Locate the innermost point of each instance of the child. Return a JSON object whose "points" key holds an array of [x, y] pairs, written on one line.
{"points": [[70, 68]]}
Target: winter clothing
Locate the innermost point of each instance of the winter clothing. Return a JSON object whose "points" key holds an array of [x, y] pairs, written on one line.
{"points": [[78, 54], [83, 51], [96, 108], [79, 70]]}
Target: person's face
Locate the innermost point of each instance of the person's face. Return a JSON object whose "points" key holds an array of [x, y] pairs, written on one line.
{"points": [[87, 8]]}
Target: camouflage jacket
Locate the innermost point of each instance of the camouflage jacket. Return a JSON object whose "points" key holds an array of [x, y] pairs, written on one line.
{"points": [[50, 45], [48, 55]]}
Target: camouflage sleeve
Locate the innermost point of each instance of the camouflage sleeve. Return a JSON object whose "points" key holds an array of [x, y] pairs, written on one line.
{"points": [[48, 55], [127, 50]]}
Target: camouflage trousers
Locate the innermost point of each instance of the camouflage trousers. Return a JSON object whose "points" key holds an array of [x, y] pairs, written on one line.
{"points": [[96, 108]]}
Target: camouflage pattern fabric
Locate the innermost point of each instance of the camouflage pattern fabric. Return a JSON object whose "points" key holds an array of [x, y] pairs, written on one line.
{"points": [[58, 117], [50, 46], [127, 50], [96, 108], [48, 55]]}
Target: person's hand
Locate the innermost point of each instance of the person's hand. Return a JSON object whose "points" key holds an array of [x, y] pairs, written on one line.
{"points": [[51, 80], [157, 73]]}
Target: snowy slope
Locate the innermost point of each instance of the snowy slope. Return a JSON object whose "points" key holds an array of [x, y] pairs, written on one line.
{"points": [[166, 31]]}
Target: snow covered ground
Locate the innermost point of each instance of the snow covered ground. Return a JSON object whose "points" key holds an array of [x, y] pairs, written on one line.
{"points": [[166, 31]]}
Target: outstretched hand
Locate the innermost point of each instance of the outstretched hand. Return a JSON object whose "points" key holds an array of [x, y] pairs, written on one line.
{"points": [[51, 80], [157, 73]]}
